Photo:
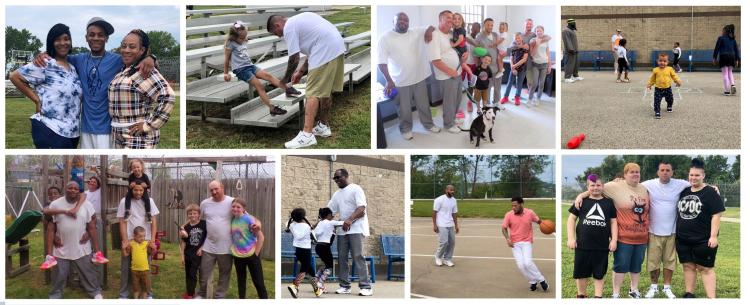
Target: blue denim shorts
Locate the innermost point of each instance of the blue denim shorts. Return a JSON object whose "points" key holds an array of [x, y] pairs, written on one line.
{"points": [[246, 73], [629, 258]]}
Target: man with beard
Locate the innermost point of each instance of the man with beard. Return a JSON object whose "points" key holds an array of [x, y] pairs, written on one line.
{"points": [[445, 224], [407, 72], [350, 203], [519, 236]]}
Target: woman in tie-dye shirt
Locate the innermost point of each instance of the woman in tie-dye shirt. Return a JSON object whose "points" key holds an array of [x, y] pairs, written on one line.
{"points": [[247, 241]]}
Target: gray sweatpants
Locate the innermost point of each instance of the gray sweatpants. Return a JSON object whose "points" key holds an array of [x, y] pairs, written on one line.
{"points": [[417, 93], [496, 86], [352, 243], [207, 268], [538, 77], [86, 272], [446, 243], [125, 281], [571, 65], [451, 100]]}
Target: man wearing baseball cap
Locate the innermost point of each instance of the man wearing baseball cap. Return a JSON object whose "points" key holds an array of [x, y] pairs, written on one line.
{"points": [[96, 69], [570, 46]]}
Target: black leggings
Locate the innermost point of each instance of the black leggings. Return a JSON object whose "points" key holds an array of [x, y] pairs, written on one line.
{"points": [[255, 266], [192, 265], [324, 252], [304, 257], [660, 93]]}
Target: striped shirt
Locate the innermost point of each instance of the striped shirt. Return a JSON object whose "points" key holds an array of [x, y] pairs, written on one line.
{"points": [[134, 99]]}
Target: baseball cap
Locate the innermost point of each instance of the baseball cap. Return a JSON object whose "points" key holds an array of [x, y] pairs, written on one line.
{"points": [[99, 21]]}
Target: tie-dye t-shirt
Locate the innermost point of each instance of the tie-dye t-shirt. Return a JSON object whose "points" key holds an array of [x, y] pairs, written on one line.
{"points": [[60, 93], [243, 240]]}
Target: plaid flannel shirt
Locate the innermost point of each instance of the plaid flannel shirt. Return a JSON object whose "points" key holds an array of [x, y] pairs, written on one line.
{"points": [[134, 99]]}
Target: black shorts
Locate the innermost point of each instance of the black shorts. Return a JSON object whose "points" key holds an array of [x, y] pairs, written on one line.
{"points": [[699, 254], [590, 263], [726, 60], [622, 65]]}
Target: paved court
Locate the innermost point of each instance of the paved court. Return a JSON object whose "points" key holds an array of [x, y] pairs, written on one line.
{"points": [[620, 115], [484, 268]]}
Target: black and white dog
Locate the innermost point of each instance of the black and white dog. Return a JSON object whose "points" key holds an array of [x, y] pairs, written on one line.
{"points": [[483, 124]]}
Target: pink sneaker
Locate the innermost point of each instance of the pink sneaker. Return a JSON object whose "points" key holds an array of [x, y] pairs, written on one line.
{"points": [[99, 258], [517, 100], [504, 100], [49, 262], [460, 115], [469, 106]]}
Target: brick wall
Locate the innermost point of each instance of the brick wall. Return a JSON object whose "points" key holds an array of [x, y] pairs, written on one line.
{"points": [[305, 183], [597, 24]]}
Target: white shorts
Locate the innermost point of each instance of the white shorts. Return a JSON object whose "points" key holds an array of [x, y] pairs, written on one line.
{"points": [[95, 141]]}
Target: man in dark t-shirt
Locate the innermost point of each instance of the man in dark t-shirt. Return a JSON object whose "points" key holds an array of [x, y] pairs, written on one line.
{"points": [[698, 217], [593, 237]]}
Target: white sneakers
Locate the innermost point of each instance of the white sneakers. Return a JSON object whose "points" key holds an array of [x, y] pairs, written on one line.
{"points": [[570, 80], [301, 140], [407, 135], [578, 78], [454, 129], [321, 130], [365, 292], [653, 291], [449, 263], [667, 289], [438, 261], [434, 129]]}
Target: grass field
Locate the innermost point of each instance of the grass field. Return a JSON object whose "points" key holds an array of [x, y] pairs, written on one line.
{"points": [[18, 127], [727, 268], [168, 284], [468, 208], [350, 114]]}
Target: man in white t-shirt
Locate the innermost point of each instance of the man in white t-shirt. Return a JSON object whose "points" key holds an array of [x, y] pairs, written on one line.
{"points": [[446, 64], [309, 34], [217, 211], [445, 223], [407, 71], [73, 252], [351, 205], [664, 192], [615, 42], [135, 218]]}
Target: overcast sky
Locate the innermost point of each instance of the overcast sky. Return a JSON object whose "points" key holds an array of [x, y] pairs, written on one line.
{"points": [[39, 19]]}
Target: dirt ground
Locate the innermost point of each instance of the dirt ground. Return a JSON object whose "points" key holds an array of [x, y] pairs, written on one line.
{"points": [[484, 268], [620, 116]]}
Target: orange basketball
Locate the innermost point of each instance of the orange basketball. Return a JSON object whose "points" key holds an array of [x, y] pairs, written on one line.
{"points": [[547, 226]]}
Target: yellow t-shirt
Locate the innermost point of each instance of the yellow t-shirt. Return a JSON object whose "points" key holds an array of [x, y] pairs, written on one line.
{"points": [[663, 78], [139, 256]]}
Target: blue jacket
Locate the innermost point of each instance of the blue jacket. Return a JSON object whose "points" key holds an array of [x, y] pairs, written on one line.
{"points": [[726, 45]]}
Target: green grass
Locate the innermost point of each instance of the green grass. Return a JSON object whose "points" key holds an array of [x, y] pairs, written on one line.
{"points": [[727, 269], [545, 209], [168, 284], [731, 212], [18, 127]]}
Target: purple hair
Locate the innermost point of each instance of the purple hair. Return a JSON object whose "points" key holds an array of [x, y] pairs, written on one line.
{"points": [[592, 178]]}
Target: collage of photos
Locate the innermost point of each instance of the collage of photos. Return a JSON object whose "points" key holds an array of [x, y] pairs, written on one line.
{"points": [[610, 137]]}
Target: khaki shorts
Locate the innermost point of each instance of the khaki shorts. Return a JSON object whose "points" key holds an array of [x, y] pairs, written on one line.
{"points": [[325, 79], [661, 250]]}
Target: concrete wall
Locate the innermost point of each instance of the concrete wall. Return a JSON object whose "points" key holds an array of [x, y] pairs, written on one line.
{"points": [[652, 28], [306, 182]]}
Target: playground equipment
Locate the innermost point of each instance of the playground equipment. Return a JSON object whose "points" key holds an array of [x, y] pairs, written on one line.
{"points": [[16, 234], [158, 254]]}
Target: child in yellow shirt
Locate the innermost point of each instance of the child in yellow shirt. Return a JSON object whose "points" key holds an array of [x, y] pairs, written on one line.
{"points": [[662, 77], [139, 265]]}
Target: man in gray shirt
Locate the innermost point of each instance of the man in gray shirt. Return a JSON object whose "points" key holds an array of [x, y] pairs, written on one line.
{"points": [[217, 211]]}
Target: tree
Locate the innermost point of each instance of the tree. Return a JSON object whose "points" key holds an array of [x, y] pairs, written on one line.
{"points": [[20, 40], [163, 45], [736, 168], [519, 174], [79, 50]]}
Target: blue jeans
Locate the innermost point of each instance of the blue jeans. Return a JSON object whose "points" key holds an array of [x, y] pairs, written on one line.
{"points": [[46, 138], [629, 258], [246, 73], [517, 79]]}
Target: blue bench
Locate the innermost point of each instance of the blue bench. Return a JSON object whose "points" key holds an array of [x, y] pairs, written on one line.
{"points": [[701, 60], [596, 59], [287, 251], [393, 249]]}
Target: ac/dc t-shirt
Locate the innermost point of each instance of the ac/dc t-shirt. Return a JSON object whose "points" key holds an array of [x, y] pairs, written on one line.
{"points": [[594, 223], [196, 236], [694, 212]]}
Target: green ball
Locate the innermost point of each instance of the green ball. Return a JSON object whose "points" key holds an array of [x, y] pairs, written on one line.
{"points": [[479, 51]]}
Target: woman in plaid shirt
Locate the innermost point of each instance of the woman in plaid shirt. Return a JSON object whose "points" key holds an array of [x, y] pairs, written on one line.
{"points": [[138, 106]]}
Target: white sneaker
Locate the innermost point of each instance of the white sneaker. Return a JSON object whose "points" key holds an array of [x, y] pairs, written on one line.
{"points": [[570, 80], [438, 261], [615, 295], [197, 297], [301, 140], [434, 129], [321, 130], [449, 263], [365, 292], [652, 291], [343, 290], [668, 292], [407, 135], [454, 129], [578, 78], [98, 296]]}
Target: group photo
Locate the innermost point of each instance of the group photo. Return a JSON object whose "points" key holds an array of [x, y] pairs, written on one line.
{"points": [[457, 67], [278, 76], [488, 220], [670, 222], [138, 227], [650, 77], [342, 224], [108, 79]]}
